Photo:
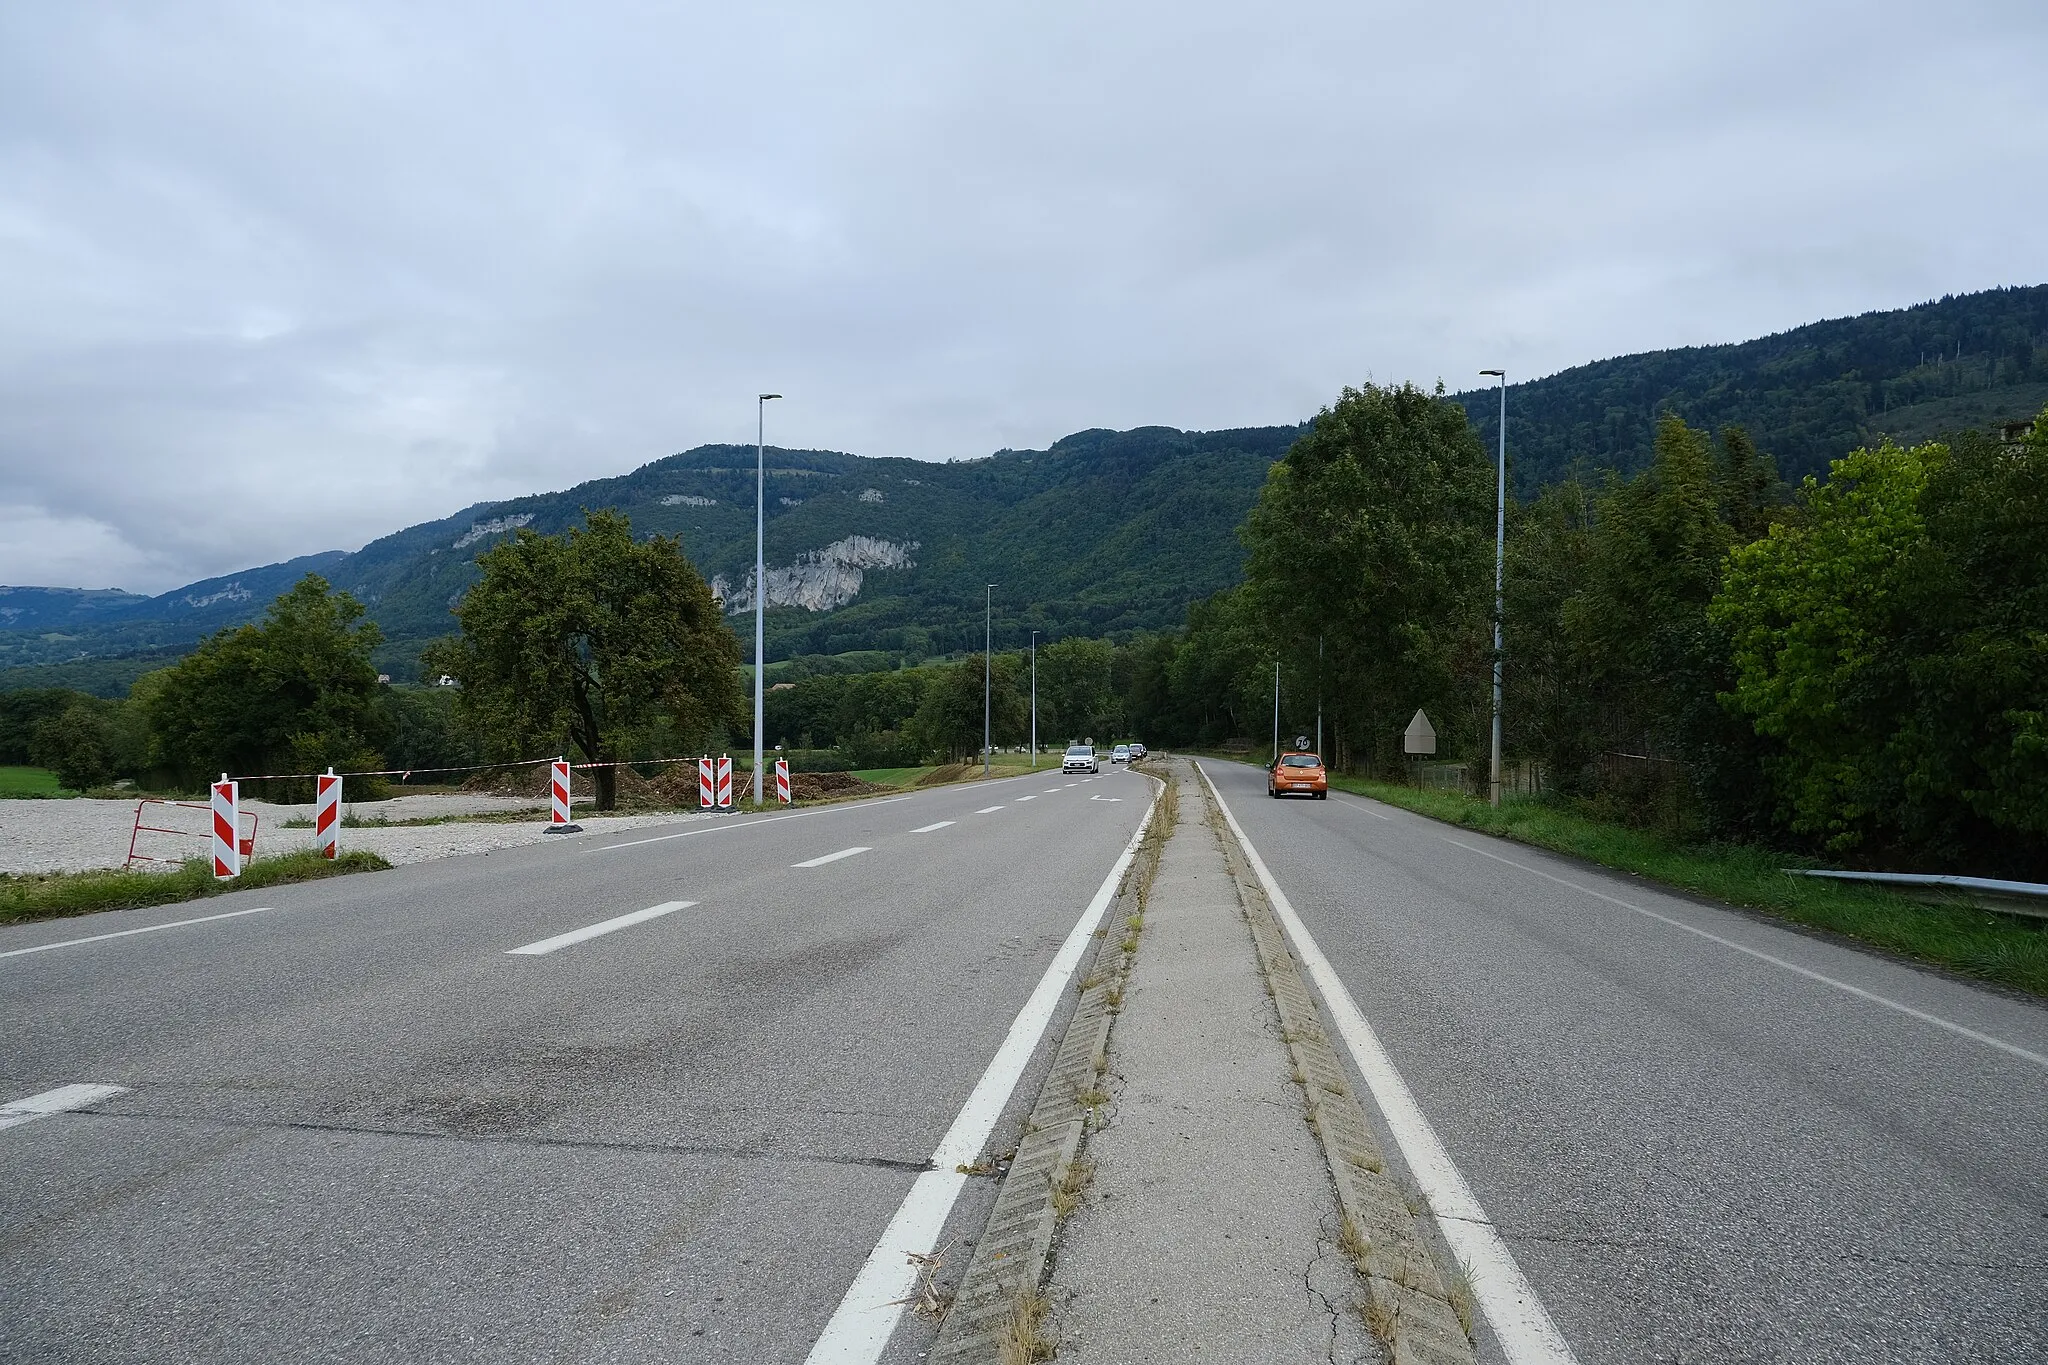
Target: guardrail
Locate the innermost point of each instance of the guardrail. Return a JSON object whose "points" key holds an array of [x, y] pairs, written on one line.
{"points": [[1986, 893]]}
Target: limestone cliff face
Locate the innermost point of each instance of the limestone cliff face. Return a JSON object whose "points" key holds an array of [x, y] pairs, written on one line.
{"points": [[820, 579], [480, 529]]}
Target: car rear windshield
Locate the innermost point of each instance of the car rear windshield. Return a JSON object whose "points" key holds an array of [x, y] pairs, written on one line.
{"points": [[1301, 761]]}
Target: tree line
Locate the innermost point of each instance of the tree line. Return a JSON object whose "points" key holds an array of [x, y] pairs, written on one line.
{"points": [[1857, 667], [590, 643]]}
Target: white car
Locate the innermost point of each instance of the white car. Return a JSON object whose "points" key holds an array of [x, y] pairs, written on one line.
{"points": [[1120, 754], [1080, 759]]}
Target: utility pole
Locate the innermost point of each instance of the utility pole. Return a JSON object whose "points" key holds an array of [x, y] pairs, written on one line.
{"points": [[761, 402], [1500, 559], [1276, 710], [1034, 701], [988, 664], [1319, 700]]}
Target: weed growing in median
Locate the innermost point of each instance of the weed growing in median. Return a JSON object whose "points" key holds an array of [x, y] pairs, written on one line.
{"points": [[1024, 1341]]}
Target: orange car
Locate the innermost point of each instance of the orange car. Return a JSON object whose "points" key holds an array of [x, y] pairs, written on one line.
{"points": [[1298, 774]]}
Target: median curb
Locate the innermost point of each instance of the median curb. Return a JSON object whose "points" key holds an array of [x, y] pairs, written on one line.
{"points": [[997, 1303], [1421, 1314]]}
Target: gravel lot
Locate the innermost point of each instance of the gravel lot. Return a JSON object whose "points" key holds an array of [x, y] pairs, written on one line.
{"points": [[77, 835]]}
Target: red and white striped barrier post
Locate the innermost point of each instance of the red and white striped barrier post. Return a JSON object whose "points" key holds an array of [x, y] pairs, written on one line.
{"points": [[227, 829], [561, 793], [707, 784], [724, 782], [782, 780], [327, 814]]}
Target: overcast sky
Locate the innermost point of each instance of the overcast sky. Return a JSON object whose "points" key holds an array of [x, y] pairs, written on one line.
{"points": [[277, 278]]}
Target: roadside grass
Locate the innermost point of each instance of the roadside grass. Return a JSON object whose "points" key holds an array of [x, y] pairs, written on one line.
{"points": [[18, 782], [50, 895], [2001, 948]]}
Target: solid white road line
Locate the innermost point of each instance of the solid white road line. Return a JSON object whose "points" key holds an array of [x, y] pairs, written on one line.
{"points": [[1519, 1320], [59, 1101], [834, 857], [750, 824], [589, 931], [123, 933], [927, 829], [860, 1327], [986, 810], [1859, 992]]}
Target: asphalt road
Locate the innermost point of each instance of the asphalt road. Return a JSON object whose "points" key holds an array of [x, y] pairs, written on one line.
{"points": [[1695, 1154], [358, 1127]]}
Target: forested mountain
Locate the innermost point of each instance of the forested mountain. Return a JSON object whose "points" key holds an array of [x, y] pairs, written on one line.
{"points": [[1806, 396], [1103, 533]]}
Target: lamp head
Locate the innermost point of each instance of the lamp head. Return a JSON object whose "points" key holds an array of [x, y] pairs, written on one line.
{"points": [[766, 396], [1498, 374]]}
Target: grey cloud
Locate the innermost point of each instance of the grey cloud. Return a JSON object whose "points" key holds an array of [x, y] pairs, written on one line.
{"points": [[283, 278]]}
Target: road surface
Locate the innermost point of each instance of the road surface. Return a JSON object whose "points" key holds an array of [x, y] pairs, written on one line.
{"points": [[1696, 1153], [357, 1126]]}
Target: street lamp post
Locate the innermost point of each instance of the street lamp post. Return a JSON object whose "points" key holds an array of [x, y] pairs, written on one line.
{"points": [[988, 640], [761, 402], [1034, 701], [1500, 554], [1276, 710]]}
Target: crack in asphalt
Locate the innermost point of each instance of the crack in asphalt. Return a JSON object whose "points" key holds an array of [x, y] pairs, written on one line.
{"points": [[505, 1140]]}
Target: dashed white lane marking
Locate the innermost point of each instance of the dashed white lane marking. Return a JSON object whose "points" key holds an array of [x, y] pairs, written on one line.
{"points": [[63, 1099], [1520, 1322], [860, 1327], [1050, 790], [1859, 992], [723, 827], [985, 810], [1100, 797], [1027, 798], [123, 933], [1071, 785], [927, 829], [833, 857], [610, 926]]}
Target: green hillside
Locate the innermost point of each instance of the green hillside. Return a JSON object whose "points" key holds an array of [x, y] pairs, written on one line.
{"points": [[1105, 532], [1808, 396]]}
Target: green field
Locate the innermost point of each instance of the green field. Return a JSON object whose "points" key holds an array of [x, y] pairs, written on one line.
{"points": [[17, 781]]}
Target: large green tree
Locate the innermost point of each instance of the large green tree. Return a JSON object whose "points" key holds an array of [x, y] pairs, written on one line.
{"points": [[294, 692], [1893, 641], [949, 720], [594, 638], [1368, 553]]}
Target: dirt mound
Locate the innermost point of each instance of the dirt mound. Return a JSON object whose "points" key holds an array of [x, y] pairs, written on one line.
{"points": [[533, 782], [819, 786], [536, 782]]}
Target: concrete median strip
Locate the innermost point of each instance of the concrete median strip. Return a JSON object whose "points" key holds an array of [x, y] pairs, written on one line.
{"points": [[1420, 1308], [860, 1327], [997, 1314]]}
